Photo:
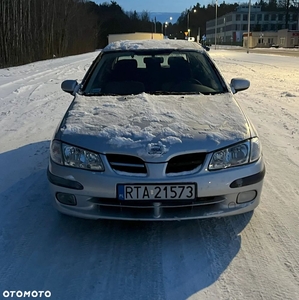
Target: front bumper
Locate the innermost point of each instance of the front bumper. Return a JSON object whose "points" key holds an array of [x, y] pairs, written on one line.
{"points": [[217, 194]]}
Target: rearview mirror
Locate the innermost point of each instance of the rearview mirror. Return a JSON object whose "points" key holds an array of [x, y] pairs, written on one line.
{"points": [[69, 86], [239, 84]]}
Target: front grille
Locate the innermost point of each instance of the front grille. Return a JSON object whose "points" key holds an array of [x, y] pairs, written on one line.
{"points": [[185, 163], [163, 210], [200, 201], [126, 163]]}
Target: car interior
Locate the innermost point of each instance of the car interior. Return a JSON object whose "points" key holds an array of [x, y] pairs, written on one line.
{"points": [[155, 74]]}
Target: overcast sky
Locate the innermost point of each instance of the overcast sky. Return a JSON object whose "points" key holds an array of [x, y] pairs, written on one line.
{"points": [[159, 5]]}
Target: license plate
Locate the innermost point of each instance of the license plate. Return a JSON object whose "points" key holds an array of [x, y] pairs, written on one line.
{"points": [[156, 192]]}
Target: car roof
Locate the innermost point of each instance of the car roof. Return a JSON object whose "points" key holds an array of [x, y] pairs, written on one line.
{"points": [[141, 45]]}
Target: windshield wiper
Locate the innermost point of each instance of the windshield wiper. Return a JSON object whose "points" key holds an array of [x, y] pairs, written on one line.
{"points": [[99, 94], [173, 93]]}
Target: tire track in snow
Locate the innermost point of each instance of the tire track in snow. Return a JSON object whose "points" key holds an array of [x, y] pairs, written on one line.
{"points": [[270, 242], [257, 261], [278, 213], [29, 102], [39, 75], [135, 261], [195, 255], [222, 251], [282, 186]]}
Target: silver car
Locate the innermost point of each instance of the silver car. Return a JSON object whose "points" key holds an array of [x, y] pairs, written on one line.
{"points": [[154, 133]]}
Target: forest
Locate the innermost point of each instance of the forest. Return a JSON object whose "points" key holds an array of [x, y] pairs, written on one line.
{"points": [[32, 30]]}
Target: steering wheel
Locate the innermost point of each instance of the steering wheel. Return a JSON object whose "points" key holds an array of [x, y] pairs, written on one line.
{"points": [[193, 80]]}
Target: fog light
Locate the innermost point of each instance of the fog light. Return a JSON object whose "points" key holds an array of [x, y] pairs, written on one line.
{"points": [[67, 199], [246, 196]]}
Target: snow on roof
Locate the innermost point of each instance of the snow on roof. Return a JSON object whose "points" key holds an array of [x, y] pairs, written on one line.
{"points": [[152, 44]]}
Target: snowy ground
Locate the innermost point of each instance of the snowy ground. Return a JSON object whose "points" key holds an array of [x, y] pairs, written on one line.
{"points": [[243, 257]]}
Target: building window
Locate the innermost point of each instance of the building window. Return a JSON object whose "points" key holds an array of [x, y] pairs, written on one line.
{"points": [[245, 17], [229, 18], [273, 27], [265, 27], [273, 17], [244, 27], [282, 40], [259, 17], [280, 17], [238, 17], [294, 17], [266, 17], [252, 17], [270, 41]]}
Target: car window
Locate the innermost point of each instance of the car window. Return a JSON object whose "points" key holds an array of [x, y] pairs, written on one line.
{"points": [[154, 72]]}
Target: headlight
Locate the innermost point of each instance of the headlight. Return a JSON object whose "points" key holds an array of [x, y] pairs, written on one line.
{"points": [[236, 155], [76, 157], [256, 149], [55, 152]]}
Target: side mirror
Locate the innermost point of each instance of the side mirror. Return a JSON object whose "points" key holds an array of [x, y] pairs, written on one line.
{"points": [[239, 84], [69, 86]]}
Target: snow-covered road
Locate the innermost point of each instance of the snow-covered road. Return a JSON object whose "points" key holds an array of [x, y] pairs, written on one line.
{"points": [[252, 256]]}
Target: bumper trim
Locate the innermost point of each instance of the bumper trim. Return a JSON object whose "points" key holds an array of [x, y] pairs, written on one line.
{"points": [[248, 180], [71, 184]]}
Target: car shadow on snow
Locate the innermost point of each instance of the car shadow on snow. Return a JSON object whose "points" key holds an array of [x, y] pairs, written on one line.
{"points": [[74, 258]]}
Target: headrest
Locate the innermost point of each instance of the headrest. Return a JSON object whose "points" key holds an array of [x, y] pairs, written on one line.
{"points": [[176, 60], [180, 67], [126, 64], [153, 60]]}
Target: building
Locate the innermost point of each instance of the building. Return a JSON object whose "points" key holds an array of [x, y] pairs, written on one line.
{"points": [[135, 36], [232, 26], [260, 39], [282, 38], [288, 38]]}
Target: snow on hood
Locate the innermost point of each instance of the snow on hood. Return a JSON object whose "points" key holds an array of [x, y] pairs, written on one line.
{"points": [[176, 123]]}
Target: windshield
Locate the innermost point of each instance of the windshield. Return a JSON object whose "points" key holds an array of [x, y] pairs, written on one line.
{"points": [[154, 72]]}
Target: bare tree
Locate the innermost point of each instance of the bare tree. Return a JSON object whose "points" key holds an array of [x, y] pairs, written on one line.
{"points": [[38, 29]]}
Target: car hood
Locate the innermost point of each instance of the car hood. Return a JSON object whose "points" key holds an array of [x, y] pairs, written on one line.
{"points": [[154, 127]]}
